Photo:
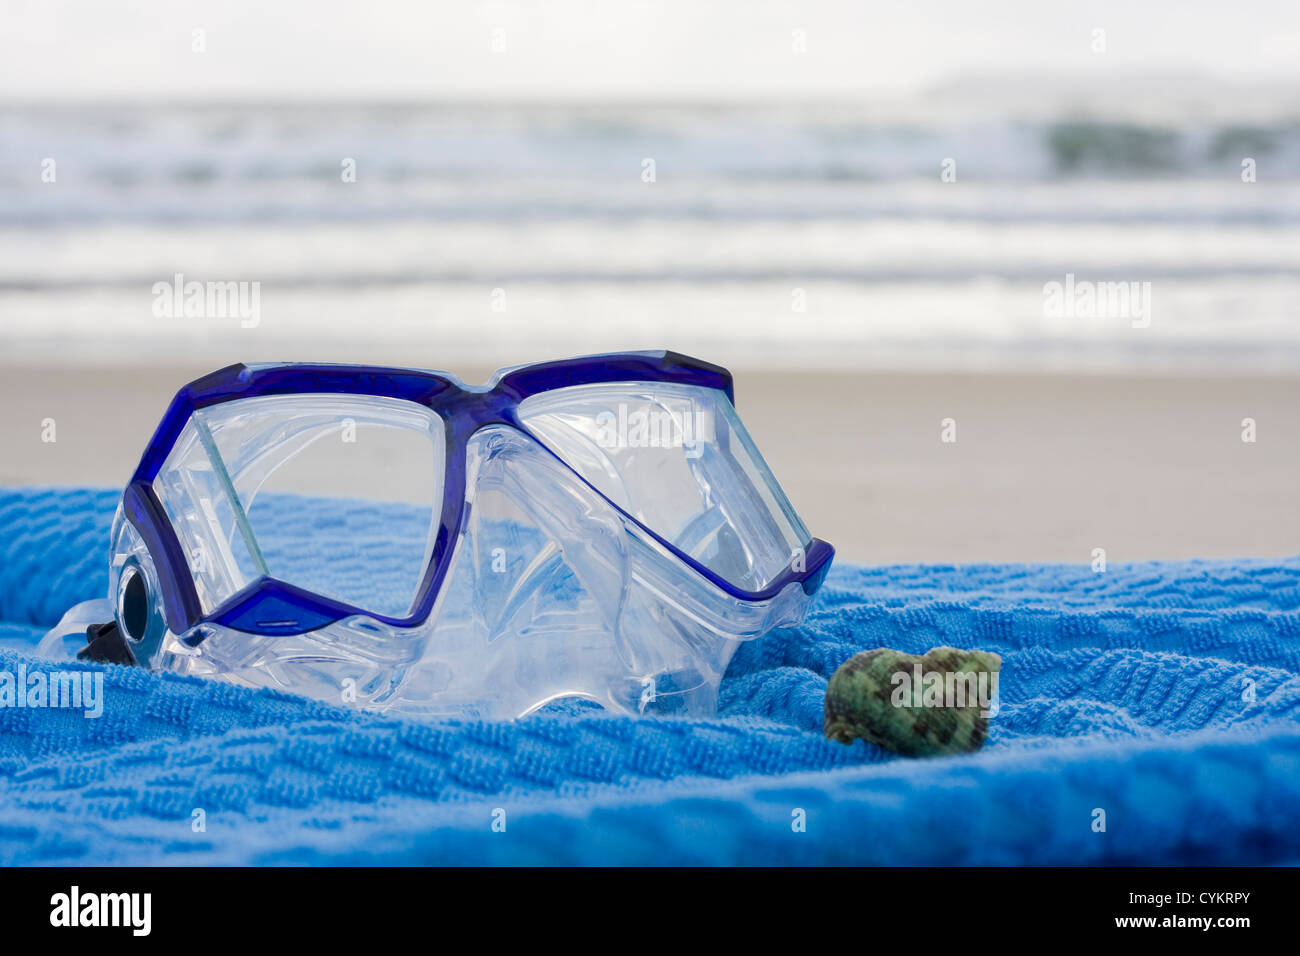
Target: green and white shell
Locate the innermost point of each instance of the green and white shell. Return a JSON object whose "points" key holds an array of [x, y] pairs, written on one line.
{"points": [[927, 705]]}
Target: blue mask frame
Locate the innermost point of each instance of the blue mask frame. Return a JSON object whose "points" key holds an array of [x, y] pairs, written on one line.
{"points": [[270, 606]]}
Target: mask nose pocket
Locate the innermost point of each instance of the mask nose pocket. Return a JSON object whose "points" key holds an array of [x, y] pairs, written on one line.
{"points": [[549, 558], [537, 585], [548, 597]]}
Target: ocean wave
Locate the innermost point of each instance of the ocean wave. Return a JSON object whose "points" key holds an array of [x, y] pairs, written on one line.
{"points": [[745, 208], [174, 163]]}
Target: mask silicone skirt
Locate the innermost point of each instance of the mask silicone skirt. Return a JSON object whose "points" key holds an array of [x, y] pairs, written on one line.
{"points": [[393, 539]]}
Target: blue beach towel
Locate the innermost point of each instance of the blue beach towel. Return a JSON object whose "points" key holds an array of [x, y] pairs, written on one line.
{"points": [[1166, 695]]}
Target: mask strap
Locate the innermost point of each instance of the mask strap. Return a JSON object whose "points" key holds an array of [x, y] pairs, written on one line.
{"points": [[106, 645]]}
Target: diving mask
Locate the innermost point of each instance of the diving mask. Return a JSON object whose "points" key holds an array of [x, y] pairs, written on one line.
{"points": [[600, 527]]}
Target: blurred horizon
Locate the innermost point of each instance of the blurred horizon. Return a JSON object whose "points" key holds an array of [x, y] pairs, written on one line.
{"points": [[817, 185], [638, 49], [988, 91]]}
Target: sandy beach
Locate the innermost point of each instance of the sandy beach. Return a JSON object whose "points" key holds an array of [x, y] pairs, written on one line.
{"points": [[1044, 468]]}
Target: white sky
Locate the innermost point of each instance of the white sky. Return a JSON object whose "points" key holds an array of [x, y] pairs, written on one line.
{"points": [[673, 49]]}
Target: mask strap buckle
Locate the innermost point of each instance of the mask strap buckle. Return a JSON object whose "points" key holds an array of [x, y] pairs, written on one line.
{"points": [[105, 644]]}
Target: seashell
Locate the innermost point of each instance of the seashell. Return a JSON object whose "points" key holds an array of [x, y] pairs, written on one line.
{"points": [[918, 705]]}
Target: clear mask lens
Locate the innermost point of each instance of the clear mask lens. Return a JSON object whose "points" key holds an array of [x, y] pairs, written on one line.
{"points": [[677, 459], [230, 482]]}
